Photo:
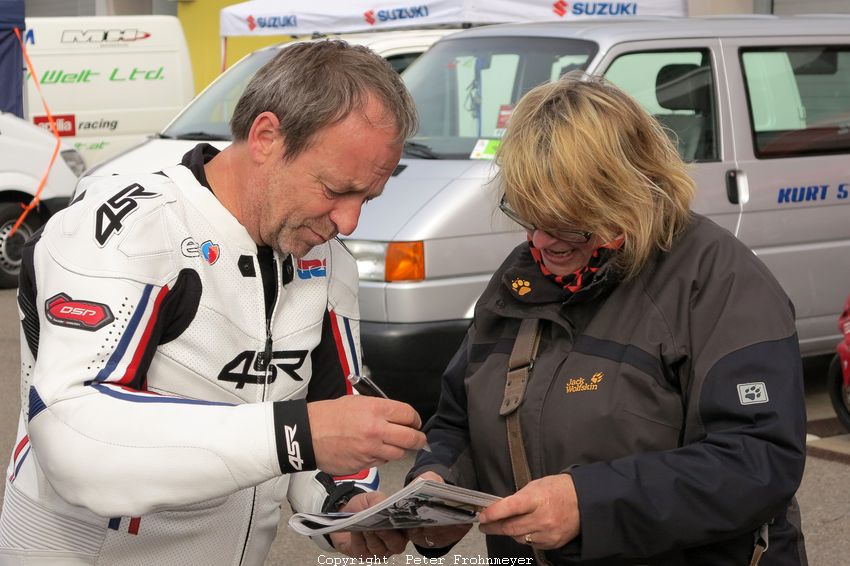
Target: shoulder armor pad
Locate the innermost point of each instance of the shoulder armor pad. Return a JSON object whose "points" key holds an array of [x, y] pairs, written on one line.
{"points": [[120, 228]]}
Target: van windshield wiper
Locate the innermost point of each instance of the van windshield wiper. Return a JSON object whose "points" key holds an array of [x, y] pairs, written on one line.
{"points": [[202, 136], [420, 150]]}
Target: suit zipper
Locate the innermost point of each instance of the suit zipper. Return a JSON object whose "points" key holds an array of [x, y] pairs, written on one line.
{"points": [[266, 364], [269, 318]]}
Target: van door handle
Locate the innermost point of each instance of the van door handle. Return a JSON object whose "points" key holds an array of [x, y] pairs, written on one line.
{"points": [[737, 187]]}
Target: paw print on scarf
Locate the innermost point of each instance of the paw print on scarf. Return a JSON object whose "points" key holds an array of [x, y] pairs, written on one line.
{"points": [[521, 286]]}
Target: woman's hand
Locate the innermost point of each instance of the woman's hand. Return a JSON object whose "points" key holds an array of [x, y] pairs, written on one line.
{"points": [[437, 537], [544, 514], [368, 544]]}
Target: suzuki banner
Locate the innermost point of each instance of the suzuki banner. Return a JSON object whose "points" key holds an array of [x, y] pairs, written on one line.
{"points": [[303, 17]]}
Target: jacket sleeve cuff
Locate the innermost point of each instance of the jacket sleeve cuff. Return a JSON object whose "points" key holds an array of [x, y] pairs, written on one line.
{"points": [[292, 437]]}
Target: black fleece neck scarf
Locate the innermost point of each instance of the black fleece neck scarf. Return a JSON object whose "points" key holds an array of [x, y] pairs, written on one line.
{"points": [[582, 277]]}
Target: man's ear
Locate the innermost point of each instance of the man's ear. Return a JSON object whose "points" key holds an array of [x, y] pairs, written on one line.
{"points": [[264, 138]]}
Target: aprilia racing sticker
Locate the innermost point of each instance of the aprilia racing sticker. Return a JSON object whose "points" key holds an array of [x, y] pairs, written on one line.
{"points": [[62, 310]]}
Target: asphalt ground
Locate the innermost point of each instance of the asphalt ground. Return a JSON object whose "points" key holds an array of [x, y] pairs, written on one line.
{"points": [[824, 495]]}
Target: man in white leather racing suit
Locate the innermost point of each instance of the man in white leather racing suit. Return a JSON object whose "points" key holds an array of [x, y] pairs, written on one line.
{"points": [[187, 337]]}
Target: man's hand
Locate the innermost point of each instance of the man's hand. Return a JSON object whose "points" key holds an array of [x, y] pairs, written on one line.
{"points": [[366, 544], [356, 432], [543, 514], [437, 537]]}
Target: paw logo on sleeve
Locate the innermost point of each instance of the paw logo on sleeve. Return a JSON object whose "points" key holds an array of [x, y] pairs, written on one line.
{"points": [[752, 393], [521, 286]]}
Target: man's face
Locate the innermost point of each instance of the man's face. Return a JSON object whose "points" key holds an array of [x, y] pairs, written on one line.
{"points": [[308, 200]]}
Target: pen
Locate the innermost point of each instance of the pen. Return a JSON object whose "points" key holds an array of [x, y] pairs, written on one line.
{"points": [[364, 385]]}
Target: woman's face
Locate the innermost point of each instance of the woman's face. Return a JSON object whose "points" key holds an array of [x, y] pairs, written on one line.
{"points": [[560, 257]]}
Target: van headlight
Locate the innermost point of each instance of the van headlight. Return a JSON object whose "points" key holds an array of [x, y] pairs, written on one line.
{"points": [[74, 161], [388, 261]]}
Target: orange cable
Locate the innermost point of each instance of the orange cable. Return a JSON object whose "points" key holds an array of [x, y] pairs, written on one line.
{"points": [[52, 123]]}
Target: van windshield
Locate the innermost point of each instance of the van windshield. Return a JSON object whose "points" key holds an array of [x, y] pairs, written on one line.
{"points": [[208, 116], [465, 89]]}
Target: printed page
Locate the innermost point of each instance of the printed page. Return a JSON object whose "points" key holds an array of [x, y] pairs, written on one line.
{"points": [[422, 503]]}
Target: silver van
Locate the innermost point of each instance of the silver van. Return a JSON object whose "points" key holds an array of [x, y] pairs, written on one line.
{"points": [[759, 105]]}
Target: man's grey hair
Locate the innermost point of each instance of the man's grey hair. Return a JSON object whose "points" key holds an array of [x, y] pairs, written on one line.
{"points": [[312, 85]]}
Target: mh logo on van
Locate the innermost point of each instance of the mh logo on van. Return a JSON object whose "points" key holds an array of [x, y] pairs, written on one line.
{"points": [[62, 310], [103, 35], [405, 13]]}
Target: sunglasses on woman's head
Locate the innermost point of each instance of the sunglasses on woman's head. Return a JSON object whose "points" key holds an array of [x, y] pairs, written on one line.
{"points": [[572, 236]]}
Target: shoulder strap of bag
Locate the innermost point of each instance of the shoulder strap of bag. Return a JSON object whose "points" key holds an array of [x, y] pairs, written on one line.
{"points": [[519, 372]]}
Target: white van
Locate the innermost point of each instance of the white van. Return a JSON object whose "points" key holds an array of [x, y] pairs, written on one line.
{"points": [[109, 81], [25, 152], [759, 105]]}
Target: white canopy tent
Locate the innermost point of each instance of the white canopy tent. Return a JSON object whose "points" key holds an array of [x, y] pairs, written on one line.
{"points": [[305, 17]]}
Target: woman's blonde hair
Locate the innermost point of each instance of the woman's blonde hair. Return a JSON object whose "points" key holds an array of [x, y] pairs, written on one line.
{"points": [[581, 153]]}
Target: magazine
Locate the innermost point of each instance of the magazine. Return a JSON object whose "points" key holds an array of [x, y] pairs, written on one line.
{"points": [[422, 503]]}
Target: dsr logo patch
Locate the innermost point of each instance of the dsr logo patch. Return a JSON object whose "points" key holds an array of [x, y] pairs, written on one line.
{"points": [[61, 310]]}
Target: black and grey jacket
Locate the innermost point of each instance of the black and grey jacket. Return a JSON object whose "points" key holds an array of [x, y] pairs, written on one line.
{"points": [[674, 399]]}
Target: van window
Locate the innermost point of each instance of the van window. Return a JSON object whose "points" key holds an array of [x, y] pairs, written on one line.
{"points": [[480, 115], [465, 89], [677, 87], [208, 116], [402, 61], [799, 99]]}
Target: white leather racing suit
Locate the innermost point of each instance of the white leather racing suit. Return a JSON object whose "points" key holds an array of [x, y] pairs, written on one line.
{"points": [[163, 403]]}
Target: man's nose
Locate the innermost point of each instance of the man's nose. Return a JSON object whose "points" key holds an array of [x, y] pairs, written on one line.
{"points": [[346, 215]]}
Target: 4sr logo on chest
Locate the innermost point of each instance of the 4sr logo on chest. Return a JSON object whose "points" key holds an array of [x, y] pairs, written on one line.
{"points": [[251, 367]]}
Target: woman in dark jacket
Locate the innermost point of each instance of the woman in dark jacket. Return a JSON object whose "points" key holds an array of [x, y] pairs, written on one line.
{"points": [[663, 416]]}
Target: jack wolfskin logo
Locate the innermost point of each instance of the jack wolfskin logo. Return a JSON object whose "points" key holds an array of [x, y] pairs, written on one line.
{"points": [[577, 384], [521, 286], [752, 393]]}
